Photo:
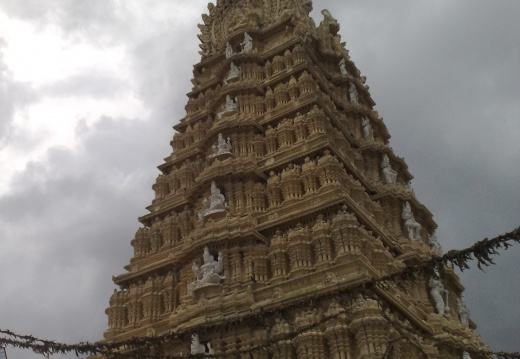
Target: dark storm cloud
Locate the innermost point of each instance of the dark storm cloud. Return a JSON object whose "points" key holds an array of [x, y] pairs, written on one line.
{"points": [[66, 228]]}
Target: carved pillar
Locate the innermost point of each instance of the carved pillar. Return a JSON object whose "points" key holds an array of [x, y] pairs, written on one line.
{"points": [[309, 176], [299, 249], [300, 127], [309, 345], [273, 191], [278, 258], [291, 184], [330, 171], [370, 329], [322, 243]]}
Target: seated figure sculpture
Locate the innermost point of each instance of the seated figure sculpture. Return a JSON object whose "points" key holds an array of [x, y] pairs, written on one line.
{"points": [[222, 147], [234, 73], [413, 227], [215, 203], [230, 104], [198, 348], [388, 172], [247, 45], [207, 274]]}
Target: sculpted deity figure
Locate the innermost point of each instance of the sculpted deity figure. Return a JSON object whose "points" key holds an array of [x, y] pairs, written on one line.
{"points": [[408, 186], [235, 72], [463, 311], [230, 104], [412, 226], [436, 291], [388, 172], [198, 348], [434, 244], [215, 203], [247, 44], [207, 274], [342, 67], [229, 50], [466, 355], [368, 133], [222, 147], [353, 93]]}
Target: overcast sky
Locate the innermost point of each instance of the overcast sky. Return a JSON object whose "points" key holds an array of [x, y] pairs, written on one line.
{"points": [[89, 91]]}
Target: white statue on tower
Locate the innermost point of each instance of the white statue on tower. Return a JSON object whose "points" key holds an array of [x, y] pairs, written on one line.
{"points": [[215, 203], [466, 355], [247, 45], [198, 348], [342, 67], [207, 274], [368, 133], [229, 50], [412, 226], [434, 244], [463, 311], [222, 147], [390, 174], [437, 290], [231, 105], [353, 93], [235, 72]]}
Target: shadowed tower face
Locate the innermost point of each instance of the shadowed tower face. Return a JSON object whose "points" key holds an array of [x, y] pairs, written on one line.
{"points": [[281, 188]]}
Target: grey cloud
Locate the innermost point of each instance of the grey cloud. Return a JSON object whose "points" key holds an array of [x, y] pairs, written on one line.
{"points": [[89, 83]]}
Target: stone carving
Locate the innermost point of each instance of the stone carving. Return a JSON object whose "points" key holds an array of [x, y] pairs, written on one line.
{"points": [[437, 290], [368, 132], [198, 348], [215, 203], [388, 172], [234, 73], [408, 186], [207, 274], [223, 147], [434, 244], [231, 105], [229, 50], [353, 93], [412, 226], [466, 355], [463, 311], [247, 44], [342, 67]]}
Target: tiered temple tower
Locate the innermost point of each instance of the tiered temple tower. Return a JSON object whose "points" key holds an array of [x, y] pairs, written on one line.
{"points": [[282, 187]]}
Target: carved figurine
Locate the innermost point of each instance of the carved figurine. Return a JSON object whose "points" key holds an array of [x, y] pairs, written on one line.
{"points": [[230, 104], [388, 172], [368, 133], [408, 186], [466, 355], [229, 50], [235, 72], [342, 67], [436, 291], [463, 311], [353, 93], [412, 226], [247, 45], [223, 147], [207, 274], [198, 348], [434, 244], [215, 203]]}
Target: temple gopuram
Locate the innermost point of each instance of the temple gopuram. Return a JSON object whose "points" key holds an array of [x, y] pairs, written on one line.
{"points": [[280, 200]]}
